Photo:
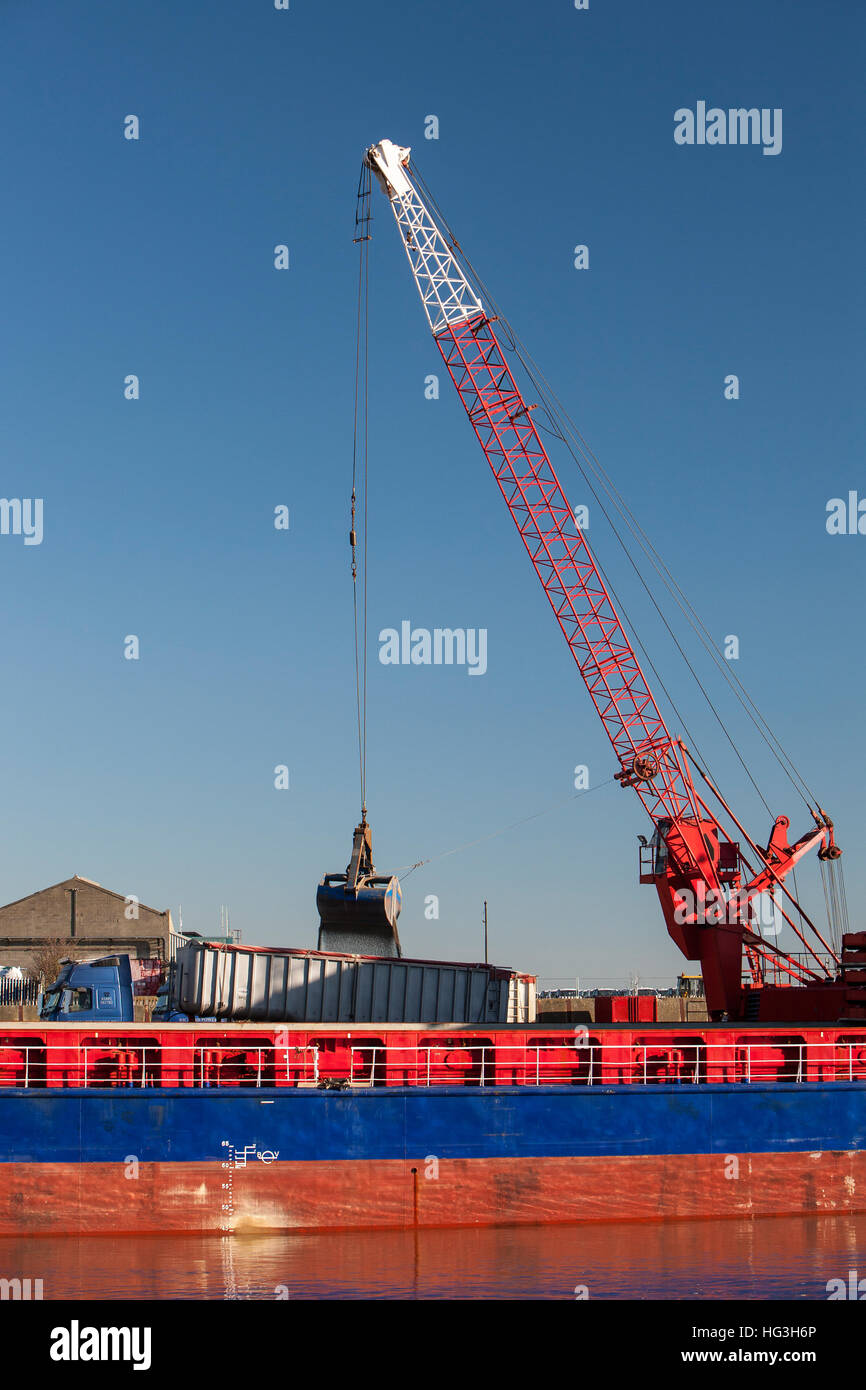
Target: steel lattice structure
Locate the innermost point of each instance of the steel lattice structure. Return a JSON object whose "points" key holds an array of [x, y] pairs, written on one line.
{"points": [[692, 853], [568, 573]]}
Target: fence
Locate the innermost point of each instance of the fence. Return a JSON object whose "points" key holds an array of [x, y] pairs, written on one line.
{"points": [[203, 1065], [18, 991], [774, 972]]}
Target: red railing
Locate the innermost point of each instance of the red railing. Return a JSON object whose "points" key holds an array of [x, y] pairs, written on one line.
{"points": [[579, 1058]]}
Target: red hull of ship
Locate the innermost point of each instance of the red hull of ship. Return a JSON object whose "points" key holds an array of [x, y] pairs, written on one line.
{"points": [[96, 1198]]}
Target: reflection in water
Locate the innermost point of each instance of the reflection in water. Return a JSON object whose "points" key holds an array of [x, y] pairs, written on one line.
{"points": [[789, 1257]]}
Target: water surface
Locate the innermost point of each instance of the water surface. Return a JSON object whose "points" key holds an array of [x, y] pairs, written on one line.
{"points": [[773, 1258]]}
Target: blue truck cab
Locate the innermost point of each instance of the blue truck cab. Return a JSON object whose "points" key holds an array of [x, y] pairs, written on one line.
{"points": [[90, 991]]}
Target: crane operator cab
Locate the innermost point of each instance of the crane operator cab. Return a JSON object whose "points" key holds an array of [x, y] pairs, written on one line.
{"points": [[358, 910]]}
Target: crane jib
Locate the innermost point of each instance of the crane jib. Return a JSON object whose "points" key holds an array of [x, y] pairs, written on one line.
{"points": [[564, 564], [706, 883]]}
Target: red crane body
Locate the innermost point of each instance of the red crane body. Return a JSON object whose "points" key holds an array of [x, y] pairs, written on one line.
{"points": [[705, 881]]}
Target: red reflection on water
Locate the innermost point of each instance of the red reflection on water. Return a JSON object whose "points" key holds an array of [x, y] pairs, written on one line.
{"points": [[790, 1257]]}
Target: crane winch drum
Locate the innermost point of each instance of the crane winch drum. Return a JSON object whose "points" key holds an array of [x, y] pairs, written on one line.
{"points": [[358, 910]]}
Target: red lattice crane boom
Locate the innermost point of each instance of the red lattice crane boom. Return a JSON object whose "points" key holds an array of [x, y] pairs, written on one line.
{"points": [[705, 880]]}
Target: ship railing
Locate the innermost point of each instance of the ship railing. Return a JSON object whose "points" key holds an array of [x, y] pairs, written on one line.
{"points": [[552, 1062], [589, 1064], [774, 971]]}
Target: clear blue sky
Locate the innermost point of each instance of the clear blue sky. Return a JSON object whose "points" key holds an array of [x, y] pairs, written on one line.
{"points": [[155, 257]]}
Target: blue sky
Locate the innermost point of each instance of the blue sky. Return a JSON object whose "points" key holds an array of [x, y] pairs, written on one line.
{"points": [[155, 257]]}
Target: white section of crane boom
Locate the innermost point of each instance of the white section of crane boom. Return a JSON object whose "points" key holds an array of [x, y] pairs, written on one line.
{"points": [[445, 292]]}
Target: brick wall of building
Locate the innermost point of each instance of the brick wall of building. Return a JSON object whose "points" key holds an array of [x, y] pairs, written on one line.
{"points": [[101, 924]]}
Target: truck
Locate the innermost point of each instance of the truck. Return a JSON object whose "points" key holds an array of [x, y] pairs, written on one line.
{"points": [[212, 982], [90, 991]]}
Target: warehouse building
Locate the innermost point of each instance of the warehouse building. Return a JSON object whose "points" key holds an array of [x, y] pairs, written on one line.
{"points": [[79, 918]]}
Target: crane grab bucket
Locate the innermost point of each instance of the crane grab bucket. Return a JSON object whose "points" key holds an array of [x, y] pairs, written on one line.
{"points": [[358, 910]]}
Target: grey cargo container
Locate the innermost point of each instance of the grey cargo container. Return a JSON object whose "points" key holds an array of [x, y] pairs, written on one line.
{"points": [[256, 984]]}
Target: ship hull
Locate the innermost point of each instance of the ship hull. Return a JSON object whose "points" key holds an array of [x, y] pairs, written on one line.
{"points": [[80, 1161]]}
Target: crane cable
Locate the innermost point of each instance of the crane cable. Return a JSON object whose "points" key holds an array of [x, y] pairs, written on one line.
{"points": [[836, 904], [835, 894], [561, 427], [363, 235], [363, 218], [407, 869], [835, 899], [620, 604]]}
